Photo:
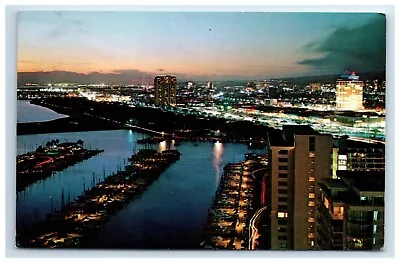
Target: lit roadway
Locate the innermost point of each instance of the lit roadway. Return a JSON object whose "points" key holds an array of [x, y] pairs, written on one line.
{"points": [[253, 231], [277, 120]]}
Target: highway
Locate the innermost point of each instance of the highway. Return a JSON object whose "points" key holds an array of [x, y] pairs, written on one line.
{"points": [[253, 231]]}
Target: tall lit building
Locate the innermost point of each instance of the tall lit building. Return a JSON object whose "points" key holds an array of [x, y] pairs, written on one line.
{"points": [[349, 92], [298, 160], [210, 85], [165, 90]]}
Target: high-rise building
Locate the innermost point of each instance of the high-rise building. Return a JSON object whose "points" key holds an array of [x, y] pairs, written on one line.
{"points": [[165, 90], [299, 158], [351, 211], [359, 156], [349, 92], [210, 85]]}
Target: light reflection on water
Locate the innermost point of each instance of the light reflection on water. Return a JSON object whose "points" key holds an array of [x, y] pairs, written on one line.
{"points": [[171, 213], [218, 153]]}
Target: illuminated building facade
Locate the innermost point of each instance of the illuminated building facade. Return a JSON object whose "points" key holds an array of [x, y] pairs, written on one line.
{"points": [[349, 93], [298, 161], [210, 85], [360, 156], [165, 90], [315, 86], [351, 211]]}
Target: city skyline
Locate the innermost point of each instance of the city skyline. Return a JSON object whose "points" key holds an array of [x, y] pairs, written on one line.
{"points": [[201, 46]]}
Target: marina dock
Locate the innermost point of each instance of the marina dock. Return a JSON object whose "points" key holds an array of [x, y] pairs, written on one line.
{"points": [[49, 159], [235, 201], [78, 220]]}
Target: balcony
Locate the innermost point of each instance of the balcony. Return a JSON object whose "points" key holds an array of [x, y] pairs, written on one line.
{"points": [[360, 221]]}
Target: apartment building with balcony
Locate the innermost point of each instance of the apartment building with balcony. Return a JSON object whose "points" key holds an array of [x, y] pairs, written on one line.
{"points": [[350, 214]]}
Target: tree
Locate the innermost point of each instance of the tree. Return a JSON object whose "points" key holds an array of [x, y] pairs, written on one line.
{"points": [[40, 149], [80, 142]]}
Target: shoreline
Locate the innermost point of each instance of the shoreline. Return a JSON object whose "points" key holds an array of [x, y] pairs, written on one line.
{"points": [[73, 122], [92, 116]]}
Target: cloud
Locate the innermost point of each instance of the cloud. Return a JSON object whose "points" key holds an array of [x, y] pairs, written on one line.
{"points": [[55, 33], [361, 48]]}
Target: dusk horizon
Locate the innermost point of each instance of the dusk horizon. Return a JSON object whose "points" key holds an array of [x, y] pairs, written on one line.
{"points": [[205, 131], [201, 46], [141, 78]]}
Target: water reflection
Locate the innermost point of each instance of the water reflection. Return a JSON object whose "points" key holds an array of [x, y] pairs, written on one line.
{"points": [[166, 145], [27, 112], [218, 153], [163, 146]]}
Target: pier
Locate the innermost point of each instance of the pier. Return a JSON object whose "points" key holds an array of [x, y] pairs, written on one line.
{"points": [[77, 221], [236, 198], [48, 159]]}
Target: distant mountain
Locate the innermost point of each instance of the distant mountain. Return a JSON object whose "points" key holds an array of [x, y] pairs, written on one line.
{"points": [[80, 78], [138, 77]]}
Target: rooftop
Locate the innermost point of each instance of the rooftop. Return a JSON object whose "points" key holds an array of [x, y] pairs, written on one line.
{"points": [[364, 181], [285, 138], [337, 190]]}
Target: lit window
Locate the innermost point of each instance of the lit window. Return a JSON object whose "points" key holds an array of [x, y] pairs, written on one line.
{"points": [[311, 235], [311, 203], [311, 219], [311, 195], [311, 179], [338, 212], [282, 215], [326, 203], [375, 215]]}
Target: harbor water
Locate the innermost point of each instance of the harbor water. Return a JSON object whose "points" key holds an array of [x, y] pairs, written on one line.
{"points": [[170, 214], [27, 112]]}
